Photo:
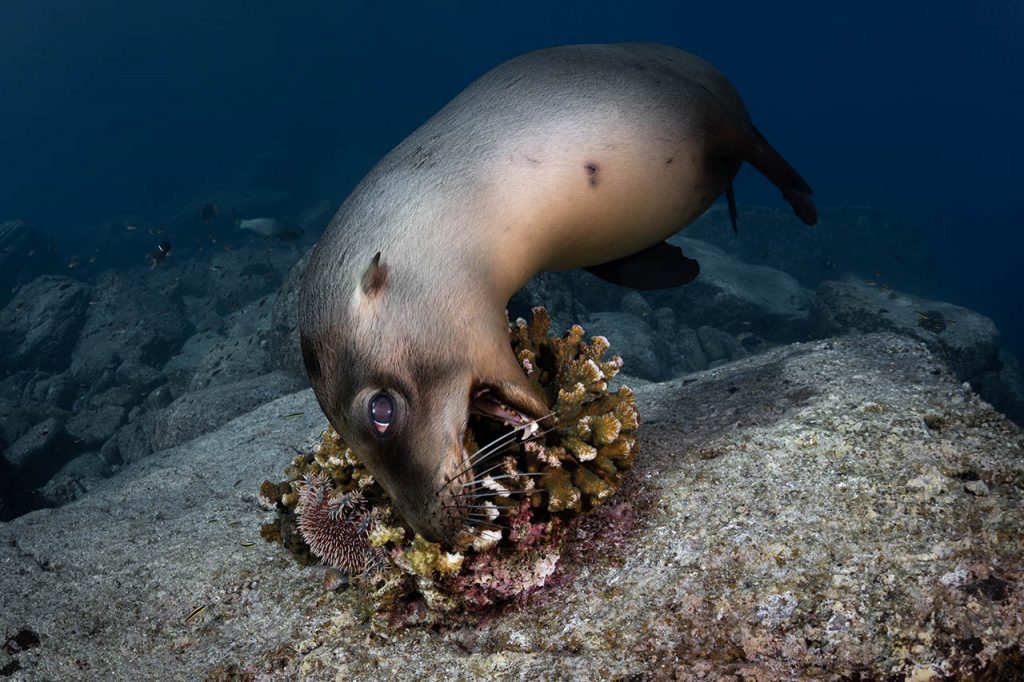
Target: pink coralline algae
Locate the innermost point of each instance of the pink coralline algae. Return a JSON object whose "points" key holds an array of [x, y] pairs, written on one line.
{"points": [[336, 527]]}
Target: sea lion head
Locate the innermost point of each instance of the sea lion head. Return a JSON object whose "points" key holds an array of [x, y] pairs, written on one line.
{"points": [[398, 365]]}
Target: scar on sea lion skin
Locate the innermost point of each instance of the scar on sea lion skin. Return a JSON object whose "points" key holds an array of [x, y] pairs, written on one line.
{"points": [[402, 309]]}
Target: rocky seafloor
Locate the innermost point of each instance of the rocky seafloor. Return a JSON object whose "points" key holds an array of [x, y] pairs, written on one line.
{"points": [[819, 492], [826, 509]]}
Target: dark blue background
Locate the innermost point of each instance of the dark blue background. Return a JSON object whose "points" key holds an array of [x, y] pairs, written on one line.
{"points": [[114, 109]]}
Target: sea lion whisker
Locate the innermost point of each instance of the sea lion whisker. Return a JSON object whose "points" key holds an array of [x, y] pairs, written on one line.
{"points": [[488, 450], [484, 451], [492, 493], [491, 524], [537, 435]]}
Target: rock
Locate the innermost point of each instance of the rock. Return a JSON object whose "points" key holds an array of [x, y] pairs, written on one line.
{"points": [[75, 479], [635, 304], [229, 280], [251, 319], [229, 361], [41, 451], [180, 369], [198, 412], [644, 354], [127, 321], [283, 339], [140, 378], [555, 291], [737, 297], [59, 390], [39, 327], [17, 416], [766, 531], [25, 254], [719, 346], [665, 323], [967, 341], [120, 396], [687, 352], [91, 427], [1004, 388]]}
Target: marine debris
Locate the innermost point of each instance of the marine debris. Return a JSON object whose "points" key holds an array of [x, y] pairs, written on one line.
{"points": [[531, 492]]}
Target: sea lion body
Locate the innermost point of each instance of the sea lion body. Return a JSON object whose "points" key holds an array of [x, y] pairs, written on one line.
{"points": [[578, 156]]}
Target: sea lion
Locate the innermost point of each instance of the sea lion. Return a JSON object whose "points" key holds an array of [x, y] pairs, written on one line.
{"points": [[577, 156]]}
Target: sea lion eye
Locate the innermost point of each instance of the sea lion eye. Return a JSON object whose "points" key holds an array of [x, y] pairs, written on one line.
{"points": [[382, 409]]}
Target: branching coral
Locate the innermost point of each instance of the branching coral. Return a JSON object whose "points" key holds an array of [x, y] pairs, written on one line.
{"points": [[347, 521]]}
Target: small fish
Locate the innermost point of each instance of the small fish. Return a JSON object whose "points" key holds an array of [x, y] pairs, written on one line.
{"points": [[156, 230], [248, 544], [215, 268], [932, 320], [73, 262], [158, 255], [195, 614], [271, 228], [207, 213], [32, 252], [293, 414], [131, 227]]}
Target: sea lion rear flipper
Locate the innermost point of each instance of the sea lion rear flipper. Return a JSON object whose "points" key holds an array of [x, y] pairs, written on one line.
{"points": [[763, 157], [657, 267]]}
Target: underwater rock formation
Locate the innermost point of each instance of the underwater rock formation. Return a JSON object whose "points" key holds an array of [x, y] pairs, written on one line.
{"points": [[842, 508], [39, 327], [966, 340]]}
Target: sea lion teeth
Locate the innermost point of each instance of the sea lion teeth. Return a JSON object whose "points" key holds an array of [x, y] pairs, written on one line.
{"points": [[579, 156]]}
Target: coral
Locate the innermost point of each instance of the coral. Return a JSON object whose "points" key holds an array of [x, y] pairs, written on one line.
{"points": [[347, 521]]}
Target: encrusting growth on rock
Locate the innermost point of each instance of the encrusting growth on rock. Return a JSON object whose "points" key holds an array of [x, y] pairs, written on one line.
{"points": [[536, 490]]}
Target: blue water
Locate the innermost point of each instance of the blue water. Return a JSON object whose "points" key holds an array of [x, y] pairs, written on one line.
{"points": [[114, 109]]}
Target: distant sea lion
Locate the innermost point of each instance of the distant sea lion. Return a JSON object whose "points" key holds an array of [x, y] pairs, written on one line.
{"points": [[579, 156]]}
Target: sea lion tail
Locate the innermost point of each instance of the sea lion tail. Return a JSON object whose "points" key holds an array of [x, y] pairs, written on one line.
{"points": [[763, 157]]}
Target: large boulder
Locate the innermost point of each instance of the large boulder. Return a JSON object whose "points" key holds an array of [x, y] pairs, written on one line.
{"points": [[738, 297], [832, 510], [182, 366], [644, 354], [967, 341], [231, 279], [40, 325], [231, 360], [196, 413], [127, 320], [42, 450]]}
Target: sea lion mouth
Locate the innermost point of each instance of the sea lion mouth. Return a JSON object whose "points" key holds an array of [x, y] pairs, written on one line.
{"points": [[485, 402], [490, 448]]}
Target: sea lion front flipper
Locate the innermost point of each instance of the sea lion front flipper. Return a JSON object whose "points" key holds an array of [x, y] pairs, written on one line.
{"points": [[661, 266]]}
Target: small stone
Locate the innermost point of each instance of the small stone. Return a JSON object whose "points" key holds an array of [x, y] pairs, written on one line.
{"points": [[977, 488]]}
